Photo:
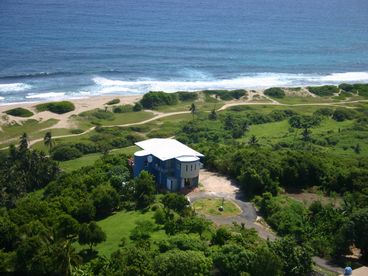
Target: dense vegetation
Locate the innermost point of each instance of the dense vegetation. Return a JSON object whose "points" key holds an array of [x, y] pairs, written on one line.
{"points": [[302, 161], [40, 232], [56, 107], [152, 100], [19, 112], [274, 92], [227, 95], [325, 90], [359, 88], [52, 222]]}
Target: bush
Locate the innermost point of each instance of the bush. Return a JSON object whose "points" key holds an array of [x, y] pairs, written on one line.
{"points": [[56, 107], [227, 95], [187, 96], [342, 114], [76, 131], [346, 87], [325, 111], [123, 108], [19, 112], [137, 107], [274, 92], [361, 89], [152, 100], [113, 101], [86, 148], [325, 90], [65, 152], [102, 115]]}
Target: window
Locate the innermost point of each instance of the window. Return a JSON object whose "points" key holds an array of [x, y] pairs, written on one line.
{"points": [[186, 167], [191, 168]]}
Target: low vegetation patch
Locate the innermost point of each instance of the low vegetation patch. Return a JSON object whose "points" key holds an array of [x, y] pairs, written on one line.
{"points": [[153, 100], [323, 91], [212, 206], [19, 112], [227, 95], [113, 101], [275, 92], [56, 107]]}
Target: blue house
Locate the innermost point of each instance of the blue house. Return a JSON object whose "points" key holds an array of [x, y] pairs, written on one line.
{"points": [[174, 165]]}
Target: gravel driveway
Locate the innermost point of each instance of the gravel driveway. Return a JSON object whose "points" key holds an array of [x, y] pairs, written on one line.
{"points": [[216, 185]]}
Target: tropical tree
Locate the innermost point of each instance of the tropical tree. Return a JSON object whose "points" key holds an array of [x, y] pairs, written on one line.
{"points": [[23, 143], [91, 234], [48, 141], [212, 115], [253, 140], [193, 109]]}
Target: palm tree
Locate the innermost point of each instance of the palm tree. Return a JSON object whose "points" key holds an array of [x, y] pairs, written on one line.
{"points": [[193, 109], [253, 140], [23, 143], [47, 140]]}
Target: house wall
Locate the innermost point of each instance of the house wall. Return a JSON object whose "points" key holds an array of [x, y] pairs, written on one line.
{"points": [[169, 173]]}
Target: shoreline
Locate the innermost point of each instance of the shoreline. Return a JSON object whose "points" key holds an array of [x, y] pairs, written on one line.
{"points": [[81, 105]]}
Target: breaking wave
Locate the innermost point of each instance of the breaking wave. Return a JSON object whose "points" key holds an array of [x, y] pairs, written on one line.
{"points": [[261, 80], [14, 87]]}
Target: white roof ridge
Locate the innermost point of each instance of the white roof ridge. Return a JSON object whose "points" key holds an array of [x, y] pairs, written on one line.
{"points": [[167, 148]]}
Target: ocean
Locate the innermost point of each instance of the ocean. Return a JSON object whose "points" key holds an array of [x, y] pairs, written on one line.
{"points": [[52, 49]]}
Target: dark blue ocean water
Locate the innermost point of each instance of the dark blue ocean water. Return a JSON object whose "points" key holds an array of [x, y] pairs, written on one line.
{"points": [[52, 49]]}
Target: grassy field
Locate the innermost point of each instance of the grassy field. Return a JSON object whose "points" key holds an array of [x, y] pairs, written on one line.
{"points": [[90, 159], [119, 226], [210, 206], [86, 119], [31, 127]]}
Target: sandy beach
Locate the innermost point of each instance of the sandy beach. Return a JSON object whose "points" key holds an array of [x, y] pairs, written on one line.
{"points": [[81, 105]]}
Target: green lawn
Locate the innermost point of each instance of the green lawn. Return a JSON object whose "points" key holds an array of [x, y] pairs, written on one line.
{"points": [[201, 105], [90, 159], [120, 225], [210, 206], [85, 120], [31, 127]]}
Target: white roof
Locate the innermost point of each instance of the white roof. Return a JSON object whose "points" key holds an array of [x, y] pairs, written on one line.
{"points": [[166, 149], [187, 158]]}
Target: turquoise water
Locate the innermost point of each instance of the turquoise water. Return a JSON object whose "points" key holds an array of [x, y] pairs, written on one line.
{"points": [[52, 49]]}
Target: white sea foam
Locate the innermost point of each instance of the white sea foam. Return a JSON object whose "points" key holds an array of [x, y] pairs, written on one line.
{"points": [[2, 98], [14, 87], [48, 95], [261, 80]]}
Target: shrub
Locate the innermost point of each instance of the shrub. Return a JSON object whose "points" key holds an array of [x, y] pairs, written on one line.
{"points": [[76, 131], [65, 152], [275, 92], [86, 148], [19, 112], [325, 111], [123, 108], [187, 96], [361, 89], [342, 114], [102, 115], [227, 95], [325, 90], [56, 107], [137, 107], [152, 100], [346, 87], [113, 101]]}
